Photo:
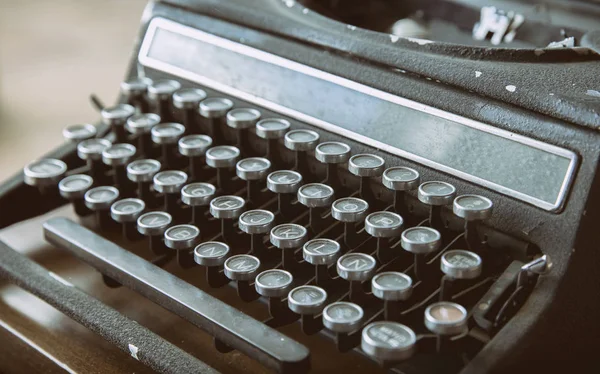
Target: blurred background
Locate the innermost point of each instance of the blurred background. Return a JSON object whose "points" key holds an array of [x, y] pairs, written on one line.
{"points": [[53, 54]]}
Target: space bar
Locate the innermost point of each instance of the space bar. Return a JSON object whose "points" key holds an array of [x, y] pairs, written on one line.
{"points": [[234, 328]]}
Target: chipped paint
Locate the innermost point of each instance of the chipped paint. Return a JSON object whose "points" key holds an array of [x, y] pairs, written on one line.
{"points": [[419, 41], [394, 38], [593, 93], [134, 351], [305, 11], [289, 3], [351, 27], [478, 74], [551, 94], [511, 88], [538, 51]]}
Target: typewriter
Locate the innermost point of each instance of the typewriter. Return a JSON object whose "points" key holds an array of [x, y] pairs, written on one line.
{"points": [[325, 186]]}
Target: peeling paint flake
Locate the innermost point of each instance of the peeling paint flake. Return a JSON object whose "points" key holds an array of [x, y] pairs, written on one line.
{"points": [[305, 11], [538, 51], [394, 38], [593, 93], [511, 88], [351, 27], [478, 74], [289, 3], [419, 41], [134, 351]]}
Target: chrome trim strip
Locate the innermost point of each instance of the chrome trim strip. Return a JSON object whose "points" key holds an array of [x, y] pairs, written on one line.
{"points": [[172, 26]]}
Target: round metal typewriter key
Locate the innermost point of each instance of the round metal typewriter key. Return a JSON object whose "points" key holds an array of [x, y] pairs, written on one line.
{"points": [[301, 141], [187, 100], [116, 117], [272, 129], [349, 209], [161, 92], [227, 209], [73, 188], [194, 147], [392, 286], [117, 156], [384, 224], [99, 200], [420, 241], [153, 225], [343, 317], [167, 135], [198, 195], [285, 183], [332, 154], [91, 151], [436, 193], [356, 267], [366, 166], [183, 238], [288, 236], [44, 173], [252, 170], [211, 254], [214, 110], [321, 251], [256, 221], [223, 158], [242, 119], [461, 264], [142, 172], [170, 183], [77, 133], [446, 318], [141, 126], [242, 267], [307, 300], [317, 197], [472, 207], [388, 341], [127, 212], [400, 179], [273, 283], [135, 90]]}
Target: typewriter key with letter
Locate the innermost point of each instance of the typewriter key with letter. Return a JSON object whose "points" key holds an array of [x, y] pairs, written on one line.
{"points": [[194, 147], [228, 209], [473, 209], [366, 166], [401, 179], [392, 287], [153, 225], [436, 195], [140, 125], [257, 223], [214, 110], [241, 120], [288, 237], [243, 269], [127, 212], [388, 341], [317, 197], [285, 183], [77, 133], [253, 170], [384, 226], [212, 255], [223, 158], [332, 154], [169, 183], [142, 172], [99, 200], [321, 253], [167, 135], [197, 196], [73, 188], [356, 268], [116, 117], [301, 141], [161, 92], [272, 129], [350, 210], [187, 100], [183, 239], [420, 241]]}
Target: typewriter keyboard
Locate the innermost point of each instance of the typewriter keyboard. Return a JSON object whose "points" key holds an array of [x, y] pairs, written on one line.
{"points": [[375, 258]]}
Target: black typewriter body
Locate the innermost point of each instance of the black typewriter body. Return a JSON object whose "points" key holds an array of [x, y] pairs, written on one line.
{"points": [[383, 95]]}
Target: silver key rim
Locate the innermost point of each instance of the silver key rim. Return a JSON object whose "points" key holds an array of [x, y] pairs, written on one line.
{"points": [[436, 193], [473, 207], [211, 253], [336, 322], [142, 123], [242, 118], [253, 168], [421, 240], [356, 267], [446, 318], [349, 209], [273, 283], [315, 195], [92, 149], [241, 267], [284, 181], [388, 341], [188, 98], [44, 172], [135, 86], [142, 170], [79, 132], [169, 181], [272, 128], [401, 178], [101, 198], [197, 194], [366, 165], [162, 89], [117, 115], [75, 186], [257, 221], [461, 264], [194, 145], [307, 300], [392, 285], [384, 224], [222, 156], [301, 140], [181, 237], [118, 154], [288, 236], [227, 207], [167, 133], [154, 223], [332, 152], [321, 251], [214, 107], [127, 210]]}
